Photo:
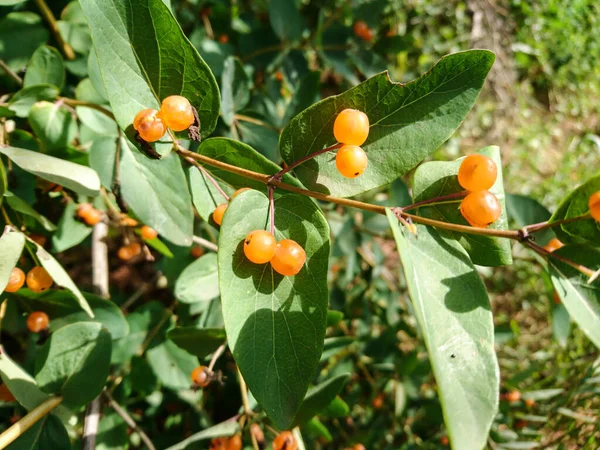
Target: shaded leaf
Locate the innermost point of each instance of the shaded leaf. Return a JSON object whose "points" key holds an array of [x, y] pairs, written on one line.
{"points": [[527, 211], [20, 205], [205, 195], [200, 342], [11, 247], [53, 125], [227, 428], [285, 19], [70, 231], [320, 397], [45, 67], [199, 282], [49, 432], [305, 95], [561, 325], [28, 30], [102, 158], [172, 365], [235, 92], [24, 99]]}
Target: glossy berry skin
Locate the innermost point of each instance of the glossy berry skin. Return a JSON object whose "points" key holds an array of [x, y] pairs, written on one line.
{"points": [[219, 443], [15, 281], [218, 213], [480, 209], [239, 191], [127, 221], [92, 217], [477, 173], [38, 279], [594, 204], [235, 443], [553, 244], [259, 246], [149, 124], [285, 441], [148, 233], [351, 126], [37, 321], [362, 30], [200, 376], [289, 258], [129, 251], [351, 161], [177, 113], [358, 447]]}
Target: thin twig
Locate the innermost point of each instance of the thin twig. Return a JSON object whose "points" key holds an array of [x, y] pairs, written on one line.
{"points": [[244, 393], [168, 313], [272, 210], [545, 253], [141, 291], [205, 243], [47, 14], [10, 73], [209, 176], [436, 200], [291, 167], [543, 225], [73, 103], [90, 426], [9, 435], [128, 419], [217, 355]]}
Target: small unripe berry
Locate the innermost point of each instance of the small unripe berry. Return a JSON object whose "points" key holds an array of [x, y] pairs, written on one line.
{"points": [[149, 124], [351, 161], [351, 126], [15, 281], [289, 257], [553, 244], [129, 251], [477, 173], [594, 204], [218, 213], [148, 233], [177, 113], [285, 441], [38, 279], [239, 191], [259, 246], [37, 321], [480, 208], [200, 376]]}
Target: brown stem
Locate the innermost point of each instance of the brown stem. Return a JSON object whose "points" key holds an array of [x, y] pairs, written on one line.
{"points": [[73, 103], [10, 73], [217, 355], [436, 200], [546, 254], [209, 176], [128, 419], [526, 230], [282, 172], [47, 14]]}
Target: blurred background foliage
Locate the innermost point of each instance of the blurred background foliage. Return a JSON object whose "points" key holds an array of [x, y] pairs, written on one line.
{"points": [[540, 105]]}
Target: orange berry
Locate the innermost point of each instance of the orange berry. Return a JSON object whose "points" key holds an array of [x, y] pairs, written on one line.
{"points": [[529, 402], [235, 442], [37, 321], [556, 298], [219, 443], [358, 447], [513, 396], [149, 124], [127, 221], [39, 239], [15, 281], [148, 233], [38, 279], [351, 161], [5, 394], [279, 75], [285, 441], [362, 30], [92, 217], [223, 39], [553, 244], [238, 192], [218, 213], [83, 209], [520, 424], [177, 112], [377, 402], [259, 246], [444, 440], [197, 252], [289, 257], [257, 432], [477, 173], [129, 251], [594, 204], [351, 126], [480, 208], [200, 376]]}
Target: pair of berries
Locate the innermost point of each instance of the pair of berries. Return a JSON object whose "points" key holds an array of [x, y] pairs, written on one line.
{"points": [[37, 279], [227, 443], [351, 128], [362, 30], [90, 215], [175, 113], [219, 211], [480, 207], [286, 256], [594, 205]]}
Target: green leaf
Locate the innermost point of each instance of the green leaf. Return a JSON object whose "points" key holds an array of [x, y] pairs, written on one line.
{"points": [[275, 325], [86, 91], [241, 155], [205, 195], [437, 178], [22, 102], [333, 345], [408, 122], [576, 204], [157, 192], [74, 362], [199, 342], [76, 177], [235, 92], [263, 138], [336, 409], [112, 433], [3, 181], [95, 75], [581, 300], [54, 126], [227, 428], [159, 246], [11, 247], [454, 315], [49, 432], [45, 67], [172, 365], [199, 282], [527, 211], [21, 33], [320, 397], [102, 156], [148, 72], [334, 317], [63, 310], [97, 121], [305, 95], [70, 231], [19, 205], [61, 277], [77, 35], [314, 426], [286, 19], [561, 325]]}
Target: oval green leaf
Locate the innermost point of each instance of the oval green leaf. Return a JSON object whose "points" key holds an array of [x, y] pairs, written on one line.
{"points": [[455, 318], [199, 342], [20, 205], [11, 247], [69, 231], [172, 365], [205, 195], [275, 325], [199, 282], [45, 67], [53, 125], [23, 100], [320, 397]]}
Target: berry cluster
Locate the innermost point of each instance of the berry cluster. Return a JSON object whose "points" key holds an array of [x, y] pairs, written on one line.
{"points": [[351, 128], [38, 280], [175, 113], [480, 207]]}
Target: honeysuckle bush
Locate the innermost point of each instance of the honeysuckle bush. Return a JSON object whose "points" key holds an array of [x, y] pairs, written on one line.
{"points": [[67, 139]]}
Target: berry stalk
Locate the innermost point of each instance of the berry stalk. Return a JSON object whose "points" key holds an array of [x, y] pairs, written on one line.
{"points": [[546, 254], [282, 172], [526, 230], [436, 200], [209, 176]]}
